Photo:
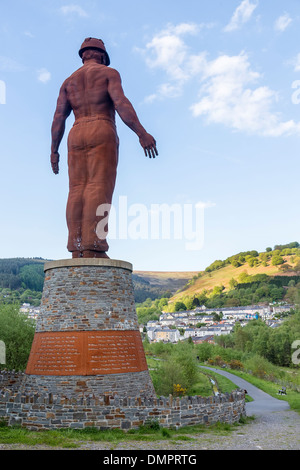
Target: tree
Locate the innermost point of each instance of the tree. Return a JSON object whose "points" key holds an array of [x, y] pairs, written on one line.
{"points": [[179, 306], [242, 339], [217, 290], [226, 341], [168, 374], [163, 302], [235, 263], [178, 367], [252, 261], [202, 298], [17, 332], [277, 259], [217, 316], [188, 302], [243, 277]]}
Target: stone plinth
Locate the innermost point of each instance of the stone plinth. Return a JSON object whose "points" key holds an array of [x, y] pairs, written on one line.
{"points": [[87, 338]]}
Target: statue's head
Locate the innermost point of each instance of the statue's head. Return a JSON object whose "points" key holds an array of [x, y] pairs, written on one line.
{"points": [[94, 44]]}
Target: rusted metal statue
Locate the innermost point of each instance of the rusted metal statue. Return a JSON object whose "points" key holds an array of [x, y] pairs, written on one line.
{"points": [[93, 92]]}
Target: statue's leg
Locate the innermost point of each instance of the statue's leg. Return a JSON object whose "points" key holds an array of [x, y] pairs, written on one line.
{"points": [[102, 160], [77, 182]]}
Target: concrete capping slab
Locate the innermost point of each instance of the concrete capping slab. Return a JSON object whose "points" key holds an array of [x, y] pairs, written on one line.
{"points": [[76, 262]]}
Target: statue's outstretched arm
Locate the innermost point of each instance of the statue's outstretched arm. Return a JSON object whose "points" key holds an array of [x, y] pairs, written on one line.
{"points": [[128, 115]]}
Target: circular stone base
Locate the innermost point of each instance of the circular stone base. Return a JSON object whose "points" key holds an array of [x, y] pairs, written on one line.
{"points": [[87, 336]]}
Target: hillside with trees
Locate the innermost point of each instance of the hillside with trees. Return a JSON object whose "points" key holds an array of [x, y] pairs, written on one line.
{"points": [[21, 280], [247, 278]]}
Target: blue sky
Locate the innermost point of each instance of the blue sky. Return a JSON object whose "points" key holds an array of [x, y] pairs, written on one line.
{"points": [[216, 83]]}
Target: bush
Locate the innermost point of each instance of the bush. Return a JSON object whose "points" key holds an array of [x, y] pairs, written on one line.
{"points": [[178, 390], [217, 361], [168, 374], [235, 364], [277, 259], [259, 366]]}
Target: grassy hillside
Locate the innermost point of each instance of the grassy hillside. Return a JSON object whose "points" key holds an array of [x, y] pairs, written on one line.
{"points": [[223, 276], [226, 275]]}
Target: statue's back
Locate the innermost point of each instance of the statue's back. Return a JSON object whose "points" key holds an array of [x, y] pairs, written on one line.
{"points": [[87, 91]]}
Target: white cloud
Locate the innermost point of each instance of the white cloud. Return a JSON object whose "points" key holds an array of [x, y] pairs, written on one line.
{"points": [[43, 75], [71, 9], [241, 15], [229, 90], [168, 51], [282, 22], [28, 34], [228, 97]]}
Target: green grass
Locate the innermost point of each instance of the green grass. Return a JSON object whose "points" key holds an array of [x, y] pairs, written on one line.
{"points": [[202, 387], [224, 385], [73, 438]]}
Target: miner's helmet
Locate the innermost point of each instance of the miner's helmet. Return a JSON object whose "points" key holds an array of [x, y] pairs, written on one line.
{"points": [[93, 43]]}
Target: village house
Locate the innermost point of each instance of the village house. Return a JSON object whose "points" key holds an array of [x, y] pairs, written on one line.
{"points": [[203, 339], [215, 330], [281, 308], [166, 335], [188, 320], [31, 312]]}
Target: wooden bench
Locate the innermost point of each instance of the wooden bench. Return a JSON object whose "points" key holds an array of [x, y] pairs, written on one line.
{"points": [[282, 391]]}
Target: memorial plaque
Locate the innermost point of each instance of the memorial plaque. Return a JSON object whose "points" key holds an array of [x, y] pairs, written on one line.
{"points": [[86, 353], [114, 352]]}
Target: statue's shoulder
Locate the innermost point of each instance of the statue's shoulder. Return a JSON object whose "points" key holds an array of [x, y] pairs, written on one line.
{"points": [[70, 78], [75, 73], [113, 73]]}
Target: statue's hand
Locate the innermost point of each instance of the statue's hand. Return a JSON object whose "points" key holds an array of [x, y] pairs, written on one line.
{"points": [[54, 162], [149, 145]]}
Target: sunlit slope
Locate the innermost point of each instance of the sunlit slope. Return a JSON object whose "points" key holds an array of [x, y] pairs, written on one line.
{"points": [[221, 277]]}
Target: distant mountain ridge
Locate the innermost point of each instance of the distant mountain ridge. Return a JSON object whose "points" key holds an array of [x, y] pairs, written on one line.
{"points": [[23, 274], [154, 284]]}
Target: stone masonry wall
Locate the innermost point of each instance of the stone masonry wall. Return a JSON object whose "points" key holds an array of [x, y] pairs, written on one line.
{"points": [[37, 412], [71, 293], [76, 386]]}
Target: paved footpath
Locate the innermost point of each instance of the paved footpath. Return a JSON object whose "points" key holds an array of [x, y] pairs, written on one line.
{"points": [[275, 427], [262, 402]]}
